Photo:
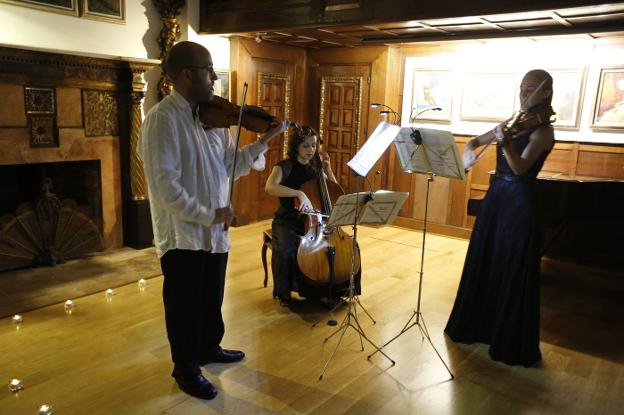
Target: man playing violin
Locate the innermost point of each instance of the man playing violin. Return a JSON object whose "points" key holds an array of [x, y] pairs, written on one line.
{"points": [[498, 297], [186, 167]]}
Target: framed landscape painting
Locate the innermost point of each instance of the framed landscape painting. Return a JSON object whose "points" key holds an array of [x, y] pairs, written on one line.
{"points": [[609, 107], [432, 89], [58, 6], [488, 96], [222, 84], [106, 10], [568, 87]]}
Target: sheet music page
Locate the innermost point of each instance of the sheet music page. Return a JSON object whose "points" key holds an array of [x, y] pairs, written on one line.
{"points": [[438, 153], [442, 153], [383, 207], [344, 209], [371, 151], [412, 156]]}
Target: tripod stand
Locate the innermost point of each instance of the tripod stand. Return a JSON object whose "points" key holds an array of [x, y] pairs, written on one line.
{"points": [[331, 252], [417, 314], [351, 319]]}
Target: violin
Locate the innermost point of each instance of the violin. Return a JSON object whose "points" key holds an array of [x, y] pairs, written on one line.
{"points": [[221, 113], [524, 121]]}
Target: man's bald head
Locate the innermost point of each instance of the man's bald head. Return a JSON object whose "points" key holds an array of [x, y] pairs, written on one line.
{"points": [[183, 55]]}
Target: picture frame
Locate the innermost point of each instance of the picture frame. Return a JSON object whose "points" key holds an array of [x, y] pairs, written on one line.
{"points": [[432, 88], [222, 84], [609, 104], [105, 10], [568, 92], [69, 7], [488, 96]]}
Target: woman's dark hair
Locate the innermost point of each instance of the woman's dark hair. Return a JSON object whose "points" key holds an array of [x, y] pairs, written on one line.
{"points": [[548, 85], [298, 136]]}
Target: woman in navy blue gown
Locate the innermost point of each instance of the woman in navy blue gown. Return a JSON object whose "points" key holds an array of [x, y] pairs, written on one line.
{"points": [[498, 297]]}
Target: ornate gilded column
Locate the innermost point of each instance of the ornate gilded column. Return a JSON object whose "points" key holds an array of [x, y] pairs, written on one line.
{"points": [[169, 11], [137, 177], [138, 223]]}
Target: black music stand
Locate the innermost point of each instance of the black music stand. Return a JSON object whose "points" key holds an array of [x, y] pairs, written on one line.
{"points": [[354, 209], [434, 153]]}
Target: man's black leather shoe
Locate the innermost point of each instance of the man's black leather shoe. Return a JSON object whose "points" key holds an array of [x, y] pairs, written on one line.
{"points": [[197, 386], [223, 356]]}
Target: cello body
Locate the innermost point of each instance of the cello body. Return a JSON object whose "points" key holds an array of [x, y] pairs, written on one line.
{"points": [[322, 245]]}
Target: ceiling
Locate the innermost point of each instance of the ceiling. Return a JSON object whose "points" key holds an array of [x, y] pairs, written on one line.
{"points": [[594, 21]]}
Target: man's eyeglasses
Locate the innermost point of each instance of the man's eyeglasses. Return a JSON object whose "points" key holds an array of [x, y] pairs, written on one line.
{"points": [[209, 69]]}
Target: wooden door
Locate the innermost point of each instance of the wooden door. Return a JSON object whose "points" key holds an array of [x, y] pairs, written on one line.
{"points": [[273, 96], [341, 124]]}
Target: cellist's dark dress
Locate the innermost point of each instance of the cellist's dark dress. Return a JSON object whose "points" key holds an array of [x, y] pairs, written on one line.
{"points": [[287, 229], [498, 297]]}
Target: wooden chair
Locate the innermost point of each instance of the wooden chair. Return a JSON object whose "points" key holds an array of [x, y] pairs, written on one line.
{"points": [[266, 243]]}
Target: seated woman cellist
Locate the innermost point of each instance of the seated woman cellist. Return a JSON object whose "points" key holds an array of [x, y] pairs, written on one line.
{"points": [[285, 182]]}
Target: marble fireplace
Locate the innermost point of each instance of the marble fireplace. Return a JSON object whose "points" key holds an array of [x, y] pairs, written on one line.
{"points": [[68, 131]]}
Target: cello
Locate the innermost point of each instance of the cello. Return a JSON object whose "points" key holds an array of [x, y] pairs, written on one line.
{"points": [[325, 253]]}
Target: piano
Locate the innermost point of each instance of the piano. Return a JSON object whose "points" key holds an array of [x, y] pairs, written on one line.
{"points": [[583, 218]]}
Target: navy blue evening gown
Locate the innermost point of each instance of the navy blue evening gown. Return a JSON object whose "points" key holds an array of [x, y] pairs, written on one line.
{"points": [[498, 300]]}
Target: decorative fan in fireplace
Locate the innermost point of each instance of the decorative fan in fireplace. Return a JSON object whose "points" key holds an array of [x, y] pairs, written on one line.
{"points": [[49, 233]]}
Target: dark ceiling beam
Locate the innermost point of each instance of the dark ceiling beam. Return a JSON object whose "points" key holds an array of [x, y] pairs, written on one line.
{"points": [[235, 16], [495, 34]]}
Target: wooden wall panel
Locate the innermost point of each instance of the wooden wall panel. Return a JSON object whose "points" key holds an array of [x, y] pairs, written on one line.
{"points": [[562, 159], [448, 198], [248, 60], [601, 161]]}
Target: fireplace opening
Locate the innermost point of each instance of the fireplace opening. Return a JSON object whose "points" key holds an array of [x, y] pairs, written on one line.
{"points": [[49, 212]]}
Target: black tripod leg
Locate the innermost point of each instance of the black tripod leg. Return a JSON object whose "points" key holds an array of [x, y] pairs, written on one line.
{"points": [[331, 254]]}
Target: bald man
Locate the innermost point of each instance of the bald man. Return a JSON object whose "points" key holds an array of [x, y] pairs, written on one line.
{"points": [[186, 167]]}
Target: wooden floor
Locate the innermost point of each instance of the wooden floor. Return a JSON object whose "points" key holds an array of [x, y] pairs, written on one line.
{"points": [[112, 356], [27, 289]]}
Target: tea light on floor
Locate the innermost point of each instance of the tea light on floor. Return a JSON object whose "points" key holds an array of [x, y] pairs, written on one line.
{"points": [[17, 319], [109, 293], [142, 283], [69, 306], [15, 385], [45, 410]]}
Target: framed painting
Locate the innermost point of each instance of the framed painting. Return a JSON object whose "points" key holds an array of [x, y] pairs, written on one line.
{"points": [[488, 96], [59, 6], [609, 107], [431, 89], [106, 10], [568, 88], [222, 85]]}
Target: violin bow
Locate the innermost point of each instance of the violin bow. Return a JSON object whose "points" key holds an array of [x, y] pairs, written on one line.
{"points": [[509, 124], [240, 121]]}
